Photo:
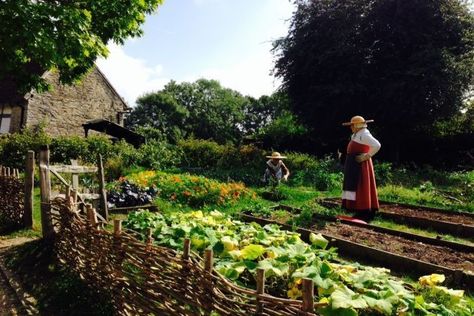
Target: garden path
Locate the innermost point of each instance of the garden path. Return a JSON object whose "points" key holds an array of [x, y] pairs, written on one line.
{"points": [[12, 297]]}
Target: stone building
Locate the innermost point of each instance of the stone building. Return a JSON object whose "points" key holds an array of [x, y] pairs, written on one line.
{"points": [[65, 108]]}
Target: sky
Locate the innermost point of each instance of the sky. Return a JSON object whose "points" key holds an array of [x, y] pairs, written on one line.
{"points": [[226, 40]]}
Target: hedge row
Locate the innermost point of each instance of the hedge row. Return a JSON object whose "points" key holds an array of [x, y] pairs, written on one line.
{"points": [[244, 163]]}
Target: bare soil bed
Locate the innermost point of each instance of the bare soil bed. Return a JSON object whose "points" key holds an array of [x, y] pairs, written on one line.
{"points": [[439, 255], [413, 211], [431, 215]]}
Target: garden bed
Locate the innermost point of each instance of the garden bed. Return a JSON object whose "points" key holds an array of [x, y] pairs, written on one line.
{"points": [[450, 222], [389, 250], [439, 255]]}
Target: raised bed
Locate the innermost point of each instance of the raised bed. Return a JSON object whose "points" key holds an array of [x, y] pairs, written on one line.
{"points": [[388, 231], [128, 209], [450, 222], [402, 261]]}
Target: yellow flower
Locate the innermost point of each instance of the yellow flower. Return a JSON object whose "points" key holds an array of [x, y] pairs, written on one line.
{"points": [[294, 293], [432, 279]]}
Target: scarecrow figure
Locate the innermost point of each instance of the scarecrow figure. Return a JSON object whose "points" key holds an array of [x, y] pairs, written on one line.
{"points": [[359, 189], [276, 169]]}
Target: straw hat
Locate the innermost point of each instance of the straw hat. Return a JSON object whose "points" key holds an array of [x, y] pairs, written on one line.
{"points": [[358, 121], [276, 155]]}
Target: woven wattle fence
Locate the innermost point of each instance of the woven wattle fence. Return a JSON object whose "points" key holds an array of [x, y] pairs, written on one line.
{"points": [[11, 198], [145, 279]]}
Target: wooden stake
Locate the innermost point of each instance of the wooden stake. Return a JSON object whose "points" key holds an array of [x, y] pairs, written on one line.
{"points": [[208, 260], [260, 288], [103, 193], [8, 171], [29, 189], [75, 176], [117, 227], [308, 296], [91, 215], [45, 188], [74, 199], [186, 248]]}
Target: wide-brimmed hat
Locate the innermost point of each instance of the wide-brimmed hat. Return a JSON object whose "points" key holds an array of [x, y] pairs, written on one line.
{"points": [[276, 155], [358, 120]]}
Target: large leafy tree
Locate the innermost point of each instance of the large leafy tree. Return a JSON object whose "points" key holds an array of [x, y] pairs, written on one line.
{"points": [[404, 63], [203, 109], [67, 35]]}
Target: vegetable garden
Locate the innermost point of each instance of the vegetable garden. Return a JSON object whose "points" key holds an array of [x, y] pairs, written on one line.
{"points": [[261, 254], [342, 286]]}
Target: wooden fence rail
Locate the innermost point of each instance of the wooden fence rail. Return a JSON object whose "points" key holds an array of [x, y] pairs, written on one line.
{"points": [[144, 278]]}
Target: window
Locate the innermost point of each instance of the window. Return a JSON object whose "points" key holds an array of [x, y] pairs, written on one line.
{"points": [[5, 119]]}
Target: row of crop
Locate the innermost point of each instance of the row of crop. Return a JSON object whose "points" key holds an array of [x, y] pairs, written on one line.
{"points": [[196, 191], [346, 288]]}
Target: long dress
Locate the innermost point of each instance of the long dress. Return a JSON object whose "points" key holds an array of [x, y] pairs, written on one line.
{"points": [[360, 190]]}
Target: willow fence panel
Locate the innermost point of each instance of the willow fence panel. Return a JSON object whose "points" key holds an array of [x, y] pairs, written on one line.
{"points": [[146, 279], [12, 198]]}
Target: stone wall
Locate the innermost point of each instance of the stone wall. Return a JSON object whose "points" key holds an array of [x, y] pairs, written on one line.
{"points": [[15, 125], [64, 109]]}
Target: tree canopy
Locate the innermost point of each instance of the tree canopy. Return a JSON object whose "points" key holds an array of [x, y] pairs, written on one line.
{"points": [[405, 64], [36, 36], [204, 109]]}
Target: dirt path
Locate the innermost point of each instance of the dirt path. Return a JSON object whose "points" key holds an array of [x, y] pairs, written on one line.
{"points": [[10, 305]]}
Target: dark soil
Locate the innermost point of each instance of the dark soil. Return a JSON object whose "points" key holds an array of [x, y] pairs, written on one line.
{"points": [[413, 211], [439, 255], [431, 215]]}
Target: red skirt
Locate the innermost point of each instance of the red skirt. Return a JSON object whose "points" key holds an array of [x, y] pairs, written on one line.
{"points": [[366, 198]]}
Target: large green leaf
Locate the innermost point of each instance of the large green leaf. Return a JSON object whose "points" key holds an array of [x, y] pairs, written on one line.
{"points": [[318, 240], [343, 297], [252, 252]]}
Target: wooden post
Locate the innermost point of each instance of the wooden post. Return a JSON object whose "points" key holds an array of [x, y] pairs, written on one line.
{"points": [[29, 189], [102, 192], [149, 239], [45, 188], [91, 215], [308, 296], [186, 248], [75, 176], [208, 260], [67, 196], [74, 199], [260, 289], [8, 171], [208, 266], [117, 227]]}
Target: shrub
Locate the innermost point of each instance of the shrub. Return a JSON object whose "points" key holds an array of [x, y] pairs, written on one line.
{"points": [[98, 144], [159, 155], [13, 147], [63, 149], [323, 174], [383, 172], [201, 153]]}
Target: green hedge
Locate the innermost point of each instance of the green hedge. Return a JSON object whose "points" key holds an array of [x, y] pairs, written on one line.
{"points": [[243, 163]]}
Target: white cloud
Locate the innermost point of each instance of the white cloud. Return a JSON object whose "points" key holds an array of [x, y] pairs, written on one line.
{"points": [[250, 76], [131, 76]]}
